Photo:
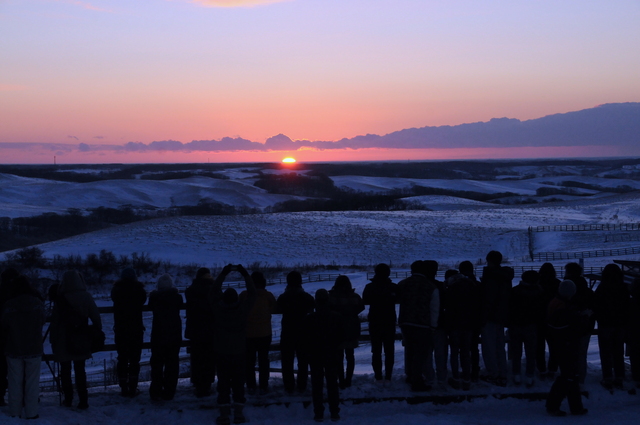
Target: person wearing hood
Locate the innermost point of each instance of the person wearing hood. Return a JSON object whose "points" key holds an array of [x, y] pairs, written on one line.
{"points": [[22, 321], [128, 296], [567, 325], [344, 300], [6, 282], [230, 343], [294, 304], [612, 308], [526, 308], [199, 331], [324, 335], [381, 295], [166, 336], [73, 308], [259, 334]]}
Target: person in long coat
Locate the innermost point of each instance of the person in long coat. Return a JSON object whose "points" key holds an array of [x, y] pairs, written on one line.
{"points": [[6, 278], [166, 337], [128, 296], [344, 300], [22, 321], [73, 308], [199, 330]]}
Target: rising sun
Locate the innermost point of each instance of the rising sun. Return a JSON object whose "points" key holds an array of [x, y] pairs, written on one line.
{"points": [[289, 160]]}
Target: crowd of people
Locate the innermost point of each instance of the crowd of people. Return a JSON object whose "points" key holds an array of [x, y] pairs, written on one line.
{"points": [[445, 326]]}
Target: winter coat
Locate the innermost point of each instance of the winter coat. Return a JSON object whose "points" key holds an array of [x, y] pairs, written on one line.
{"points": [[73, 308], [496, 288], [584, 299], [294, 304], [566, 326], [259, 320], [461, 306], [419, 301], [526, 305], [612, 304], [200, 325], [22, 321], [349, 304], [166, 328], [128, 298], [324, 335], [382, 296], [231, 325]]}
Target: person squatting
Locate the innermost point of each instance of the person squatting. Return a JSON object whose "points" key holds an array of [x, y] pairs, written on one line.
{"points": [[446, 327]]}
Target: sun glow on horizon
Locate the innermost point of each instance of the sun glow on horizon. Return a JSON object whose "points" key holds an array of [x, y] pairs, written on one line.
{"points": [[288, 160]]}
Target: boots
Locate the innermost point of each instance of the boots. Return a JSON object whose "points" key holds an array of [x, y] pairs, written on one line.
{"points": [[124, 387], [83, 396], [132, 390], [238, 414], [225, 415]]}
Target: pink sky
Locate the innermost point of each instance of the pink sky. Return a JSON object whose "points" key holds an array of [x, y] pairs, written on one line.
{"points": [[113, 72]]}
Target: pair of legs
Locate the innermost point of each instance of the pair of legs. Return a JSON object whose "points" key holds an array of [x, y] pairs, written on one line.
{"points": [[81, 383], [611, 346], [321, 371], [165, 366], [493, 351], [24, 386], [383, 338], [418, 344], [203, 366], [290, 349], [519, 336], [460, 341], [129, 348], [258, 348]]}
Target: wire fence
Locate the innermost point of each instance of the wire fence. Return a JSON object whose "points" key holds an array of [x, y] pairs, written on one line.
{"points": [[555, 256], [586, 227]]}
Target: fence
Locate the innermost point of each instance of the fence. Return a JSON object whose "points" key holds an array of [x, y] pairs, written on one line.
{"points": [[554, 256], [586, 227]]}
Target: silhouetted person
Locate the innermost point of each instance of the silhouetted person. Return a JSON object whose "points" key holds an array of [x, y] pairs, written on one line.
{"points": [[584, 300], [382, 296], [496, 287], [128, 296], [231, 315], [294, 304], [22, 320], [324, 334], [70, 342], [440, 352], [6, 280], [566, 327], [612, 308], [344, 300], [459, 319], [166, 336], [633, 341], [200, 330], [259, 334], [527, 309], [466, 268], [549, 284], [419, 309]]}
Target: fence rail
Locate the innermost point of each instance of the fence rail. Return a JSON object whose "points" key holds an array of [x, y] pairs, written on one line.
{"points": [[586, 227], [553, 256]]}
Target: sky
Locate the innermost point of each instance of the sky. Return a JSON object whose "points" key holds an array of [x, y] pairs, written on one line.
{"points": [[82, 80]]}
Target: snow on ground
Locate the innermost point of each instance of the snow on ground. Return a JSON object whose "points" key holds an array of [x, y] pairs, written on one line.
{"points": [[358, 237], [20, 196]]}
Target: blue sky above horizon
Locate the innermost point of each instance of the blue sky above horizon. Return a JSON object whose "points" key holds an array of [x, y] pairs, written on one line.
{"points": [[103, 72]]}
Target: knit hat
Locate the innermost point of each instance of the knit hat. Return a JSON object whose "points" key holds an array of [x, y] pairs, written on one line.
{"points": [[165, 282], [128, 274], [567, 289]]}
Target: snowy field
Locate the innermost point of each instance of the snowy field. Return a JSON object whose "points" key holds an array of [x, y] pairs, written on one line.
{"points": [[454, 230]]}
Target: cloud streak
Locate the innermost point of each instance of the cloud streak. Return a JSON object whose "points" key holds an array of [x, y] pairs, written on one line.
{"points": [[615, 125], [235, 3]]}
